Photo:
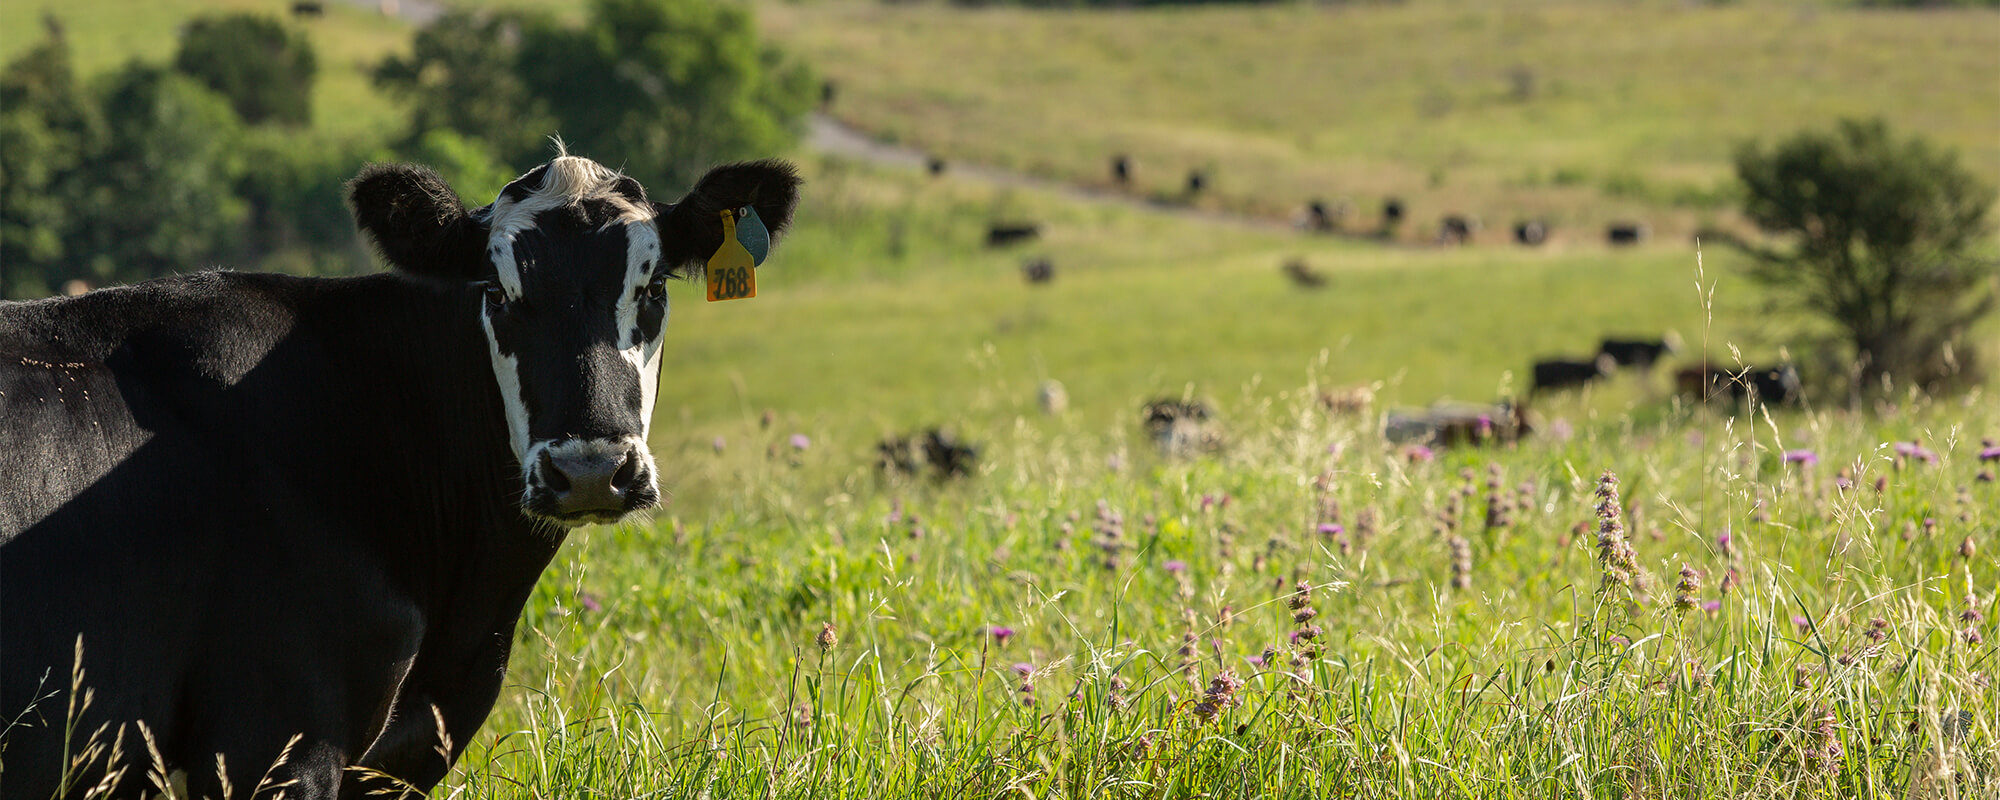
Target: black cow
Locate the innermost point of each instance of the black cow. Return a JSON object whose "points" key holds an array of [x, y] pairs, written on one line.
{"points": [[308, 8], [935, 166], [935, 450], [1196, 181], [1640, 353], [1002, 234], [1180, 427], [1038, 270], [1121, 170], [1779, 385], [1555, 374], [1303, 275], [1532, 233], [1625, 234], [1456, 229], [270, 506]]}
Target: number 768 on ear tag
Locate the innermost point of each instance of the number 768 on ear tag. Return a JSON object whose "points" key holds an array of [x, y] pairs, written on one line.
{"points": [[732, 271]]}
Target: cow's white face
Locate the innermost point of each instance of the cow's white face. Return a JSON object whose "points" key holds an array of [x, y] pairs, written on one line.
{"points": [[574, 317]]}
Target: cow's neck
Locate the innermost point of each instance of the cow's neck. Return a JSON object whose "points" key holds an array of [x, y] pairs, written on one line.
{"points": [[464, 478]]}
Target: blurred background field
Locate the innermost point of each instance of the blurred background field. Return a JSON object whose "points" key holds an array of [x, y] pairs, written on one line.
{"points": [[676, 656]]}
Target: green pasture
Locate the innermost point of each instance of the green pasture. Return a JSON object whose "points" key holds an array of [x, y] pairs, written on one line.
{"points": [[1574, 112], [676, 656]]}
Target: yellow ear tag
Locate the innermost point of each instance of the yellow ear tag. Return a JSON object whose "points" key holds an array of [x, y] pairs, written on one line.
{"points": [[732, 272]]}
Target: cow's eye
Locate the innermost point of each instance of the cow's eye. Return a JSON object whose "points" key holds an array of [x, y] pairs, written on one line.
{"points": [[496, 296], [657, 289]]}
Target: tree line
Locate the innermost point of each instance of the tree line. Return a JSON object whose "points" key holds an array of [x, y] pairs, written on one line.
{"points": [[210, 159]]}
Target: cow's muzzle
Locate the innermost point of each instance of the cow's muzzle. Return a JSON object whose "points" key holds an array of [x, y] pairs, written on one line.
{"points": [[580, 481]]}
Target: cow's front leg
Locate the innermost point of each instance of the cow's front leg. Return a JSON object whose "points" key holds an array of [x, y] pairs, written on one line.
{"points": [[438, 712]]}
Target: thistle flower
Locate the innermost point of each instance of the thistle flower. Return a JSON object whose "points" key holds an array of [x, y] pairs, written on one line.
{"points": [[1220, 695], [1803, 458], [1967, 549], [1461, 562], [1881, 484], [800, 442], [1730, 580], [718, 444], [1686, 589], [1878, 630], [1989, 452], [1027, 688], [1000, 634], [1417, 454], [1175, 566], [1823, 749], [1615, 556], [828, 637]]}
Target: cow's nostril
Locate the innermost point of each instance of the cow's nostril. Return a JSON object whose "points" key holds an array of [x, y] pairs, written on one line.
{"points": [[628, 473], [552, 475]]}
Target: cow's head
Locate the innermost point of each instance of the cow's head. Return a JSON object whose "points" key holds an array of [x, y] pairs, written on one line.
{"points": [[568, 270]]}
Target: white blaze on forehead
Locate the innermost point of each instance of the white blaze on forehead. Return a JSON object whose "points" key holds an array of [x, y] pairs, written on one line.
{"points": [[566, 180]]}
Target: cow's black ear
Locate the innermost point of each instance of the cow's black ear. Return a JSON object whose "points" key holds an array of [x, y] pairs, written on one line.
{"points": [[418, 223], [691, 230]]}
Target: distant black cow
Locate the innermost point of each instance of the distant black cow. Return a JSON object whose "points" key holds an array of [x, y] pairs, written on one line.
{"points": [[1121, 170], [1179, 427], [934, 450], [1303, 275], [1455, 230], [1532, 233], [1392, 212], [1038, 270], [1002, 234], [1504, 422], [1555, 374], [308, 8], [1779, 385], [827, 91], [934, 165], [1323, 218], [269, 505], [1640, 353], [1196, 181], [1625, 234]]}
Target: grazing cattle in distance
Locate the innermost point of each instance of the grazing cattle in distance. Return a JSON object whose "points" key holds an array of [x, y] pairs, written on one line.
{"points": [[1121, 170], [1002, 234], [1456, 230], [1392, 213], [1532, 233], [1180, 427], [308, 8], [935, 166], [933, 450], [1625, 234], [1303, 275], [1505, 422], [827, 91], [1196, 181], [1553, 374], [1640, 353], [1038, 271], [1779, 385], [1322, 218], [266, 506]]}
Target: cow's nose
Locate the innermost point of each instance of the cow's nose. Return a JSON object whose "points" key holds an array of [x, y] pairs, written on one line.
{"points": [[591, 481]]}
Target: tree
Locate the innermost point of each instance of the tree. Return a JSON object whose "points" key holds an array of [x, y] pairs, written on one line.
{"points": [[47, 125], [264, 69], [157, 195], [461, 76], [670, 86], [1881, 231]]}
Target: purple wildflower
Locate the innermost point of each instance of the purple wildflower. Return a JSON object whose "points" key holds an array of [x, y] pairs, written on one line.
{"points": [[1175, 566], [1256, 661], [1803, 623], [1990, 453], [718, 444], [1331, 529], [1561, 431], [800, 442], [1417, 453], [1711, 607], [1024, 668], [589, 602], [1000, 634], [1803, 458]]}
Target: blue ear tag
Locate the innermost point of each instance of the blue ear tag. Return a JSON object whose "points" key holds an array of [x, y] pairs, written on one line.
{"points": [[752, 234]]}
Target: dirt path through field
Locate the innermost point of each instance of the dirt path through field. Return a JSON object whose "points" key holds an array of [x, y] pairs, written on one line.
{"points": [[830, 136]]}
